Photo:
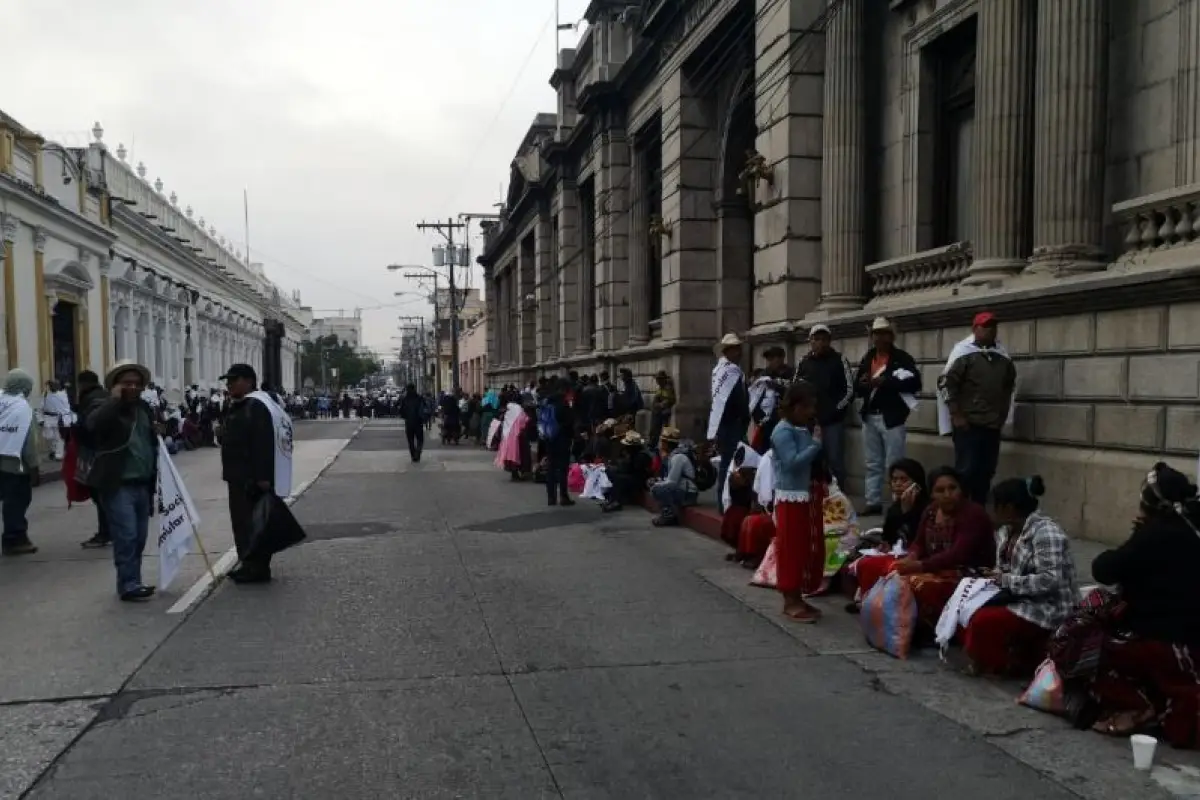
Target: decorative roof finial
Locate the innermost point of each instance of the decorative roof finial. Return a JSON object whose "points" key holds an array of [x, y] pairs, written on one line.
{"points": [[158, 184], [174, 199], [121, 152], [222, 241], [141, 170], [202, 228], [212, 231], [188, 211], [98, 132]]}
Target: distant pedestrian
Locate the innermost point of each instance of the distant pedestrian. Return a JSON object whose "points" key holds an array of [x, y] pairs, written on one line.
{"points": [[830, 374], [18, 463], [977, 390], [255, 461], [556, 428], [414, 411], [125, 470]]}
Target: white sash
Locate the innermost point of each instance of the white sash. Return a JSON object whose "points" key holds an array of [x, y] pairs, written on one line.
{"points": [[965, 348], [283, 442], [15, 418], [725, 376]]}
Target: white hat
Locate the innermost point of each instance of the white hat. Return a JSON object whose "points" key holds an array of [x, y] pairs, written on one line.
{"points": [[727, 341], [881, 324], [121, 367], [819, 328]]}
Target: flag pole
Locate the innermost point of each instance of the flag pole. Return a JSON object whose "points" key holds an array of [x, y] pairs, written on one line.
{"points": [[246, 213]]}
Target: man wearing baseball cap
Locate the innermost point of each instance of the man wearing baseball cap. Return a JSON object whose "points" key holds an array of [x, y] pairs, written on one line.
{"points": [[833, 378], [977, 390]]}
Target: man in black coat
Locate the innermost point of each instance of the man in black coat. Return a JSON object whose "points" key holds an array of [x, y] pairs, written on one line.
{"points": [[830, 373], [412, 411], [887, 381], [247, 466], [91, 395], [558, 441]]}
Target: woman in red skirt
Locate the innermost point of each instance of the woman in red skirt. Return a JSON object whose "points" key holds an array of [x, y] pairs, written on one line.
{"points": [[799, 504]]}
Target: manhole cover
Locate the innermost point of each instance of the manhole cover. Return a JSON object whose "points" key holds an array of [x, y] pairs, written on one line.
{"points": [[345, 530], [537, 521]]}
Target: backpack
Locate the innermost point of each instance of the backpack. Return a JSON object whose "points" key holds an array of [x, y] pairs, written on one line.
{"points": [[547, 420]]}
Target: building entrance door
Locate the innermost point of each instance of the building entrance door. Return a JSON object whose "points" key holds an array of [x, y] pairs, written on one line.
{"points": [[65, 349]]}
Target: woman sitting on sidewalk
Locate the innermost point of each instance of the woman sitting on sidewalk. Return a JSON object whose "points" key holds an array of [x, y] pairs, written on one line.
{"points": [[954, 538], [678, 487], [1148, 674], [1036, 576], [628, 473]]}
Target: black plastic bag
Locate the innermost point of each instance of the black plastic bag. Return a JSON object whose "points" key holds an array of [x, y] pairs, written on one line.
{"points": [[275, 528]]}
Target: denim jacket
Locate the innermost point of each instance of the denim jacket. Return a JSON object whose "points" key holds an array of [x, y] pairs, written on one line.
{"points": [[795, 450]]}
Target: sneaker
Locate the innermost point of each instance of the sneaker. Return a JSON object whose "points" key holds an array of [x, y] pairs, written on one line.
{"points": [[96, 542], [25, 548]]}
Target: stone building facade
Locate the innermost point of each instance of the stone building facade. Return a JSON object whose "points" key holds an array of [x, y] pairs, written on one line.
{"points": [[759, 166]]}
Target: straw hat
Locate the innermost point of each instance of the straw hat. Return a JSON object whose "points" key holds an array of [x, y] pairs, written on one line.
{"points": [[727, 341], [632, 439], [120, 367], [670, 434], [607, 425]]}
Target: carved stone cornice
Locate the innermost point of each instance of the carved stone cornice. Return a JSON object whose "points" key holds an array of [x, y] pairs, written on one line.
{"points": [[10, 227]]}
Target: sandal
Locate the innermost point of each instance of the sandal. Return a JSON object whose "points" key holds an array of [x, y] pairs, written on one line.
{"points": [[1124, 723]]}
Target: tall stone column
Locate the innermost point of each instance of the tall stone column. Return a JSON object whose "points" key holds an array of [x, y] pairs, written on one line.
{"points": [[1187, 96], [585, 288], [1071, 124], [493, 314], [1003, 145], [612, 226], [639, 266], [569, 264], [843, 161]]}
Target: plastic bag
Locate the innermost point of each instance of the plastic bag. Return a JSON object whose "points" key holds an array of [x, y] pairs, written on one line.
{"points": [[575, 479], [274, 527], [767, 573], [889, 616], [1045, 691]]}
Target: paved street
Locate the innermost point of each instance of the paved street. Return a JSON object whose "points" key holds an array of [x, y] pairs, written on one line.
{"points": [[445, 634]]}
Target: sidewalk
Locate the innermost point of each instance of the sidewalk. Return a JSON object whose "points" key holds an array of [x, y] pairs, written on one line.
{"points": [[63, 632]]}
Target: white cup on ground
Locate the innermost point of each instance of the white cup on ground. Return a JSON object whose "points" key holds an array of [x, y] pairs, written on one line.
{"points": [[1143, 750]]}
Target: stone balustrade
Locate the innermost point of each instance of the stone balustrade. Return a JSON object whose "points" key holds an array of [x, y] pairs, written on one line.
{"points": [[939, 268], [1160, 221]]}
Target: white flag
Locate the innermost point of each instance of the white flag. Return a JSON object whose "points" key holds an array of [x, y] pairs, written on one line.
{"points": [[177, 519]]}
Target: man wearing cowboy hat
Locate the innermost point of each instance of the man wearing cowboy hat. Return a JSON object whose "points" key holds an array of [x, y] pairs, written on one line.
{"points": [[729, 415], [830, 373], [887, 381], [125, 470]]}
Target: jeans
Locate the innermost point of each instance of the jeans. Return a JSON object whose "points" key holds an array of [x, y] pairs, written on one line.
{"points": [[671, 499], [128, 511], [976, 455], [558, 462], [416, 439], [727, 441], [884, 446], [833, 447], [16, 493]]}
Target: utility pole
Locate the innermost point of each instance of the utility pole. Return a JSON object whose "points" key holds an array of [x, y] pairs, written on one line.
{"points": [[447, 229], [437, 373]]}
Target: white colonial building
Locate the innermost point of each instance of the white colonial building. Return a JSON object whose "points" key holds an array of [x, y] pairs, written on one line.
{"points": [[100, 265]]}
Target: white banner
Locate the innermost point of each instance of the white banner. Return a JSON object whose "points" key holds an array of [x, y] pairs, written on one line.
{"points": [[177, 519]]}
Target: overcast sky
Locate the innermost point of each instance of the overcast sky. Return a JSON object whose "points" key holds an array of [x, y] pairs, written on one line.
{"points": [[347, 120]]}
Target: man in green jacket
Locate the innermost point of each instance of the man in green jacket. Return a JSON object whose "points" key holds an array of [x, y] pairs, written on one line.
{"points": [[125, 470]]}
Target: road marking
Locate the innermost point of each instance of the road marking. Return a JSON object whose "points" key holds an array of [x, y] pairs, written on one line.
{"points": [[207, 582]]}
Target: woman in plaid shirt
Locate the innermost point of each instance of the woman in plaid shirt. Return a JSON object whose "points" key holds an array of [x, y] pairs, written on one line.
{"points": [[1036, 576]]}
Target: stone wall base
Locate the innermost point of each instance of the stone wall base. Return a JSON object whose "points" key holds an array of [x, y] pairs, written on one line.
{"points": [[1093, 493]]}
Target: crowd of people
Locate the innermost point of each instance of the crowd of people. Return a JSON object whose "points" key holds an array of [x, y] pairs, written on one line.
{"points": [[108, 437], [984, 565]]}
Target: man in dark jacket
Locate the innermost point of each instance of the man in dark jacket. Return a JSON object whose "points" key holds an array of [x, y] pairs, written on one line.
{"points": [[557, 442], [830, 374], [978, 386], [91, 395], [412, 411], [887, 381], [125, 470], [247, 466]]}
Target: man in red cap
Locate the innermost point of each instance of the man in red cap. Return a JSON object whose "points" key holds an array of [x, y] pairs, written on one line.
{"points": [[977, 391]]}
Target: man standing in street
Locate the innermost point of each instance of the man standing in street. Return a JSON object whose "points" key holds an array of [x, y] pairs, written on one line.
{"points": [[125, 471], [729, 413], [556, 428], [887, 381], [249, 441], [831, 375], [977, 389], [412, 411], [91, 394]]}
